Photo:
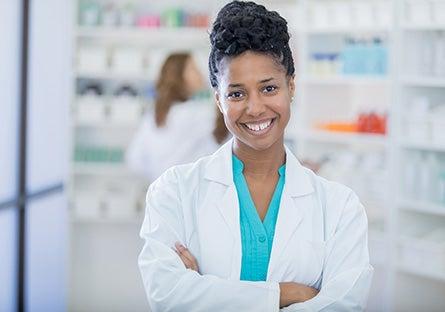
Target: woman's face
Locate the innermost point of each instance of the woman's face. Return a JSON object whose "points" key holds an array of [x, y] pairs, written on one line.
{"points": [[254, 95]]}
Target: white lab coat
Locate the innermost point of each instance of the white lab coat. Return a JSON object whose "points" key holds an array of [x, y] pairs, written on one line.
{"points": [[186, 136], [320, 240]]}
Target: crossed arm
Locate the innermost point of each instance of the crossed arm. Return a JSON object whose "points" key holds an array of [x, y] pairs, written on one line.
{"points": [[290, 292]]}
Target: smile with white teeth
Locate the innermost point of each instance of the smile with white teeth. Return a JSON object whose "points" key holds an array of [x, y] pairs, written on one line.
{"points": [[260, 126]]}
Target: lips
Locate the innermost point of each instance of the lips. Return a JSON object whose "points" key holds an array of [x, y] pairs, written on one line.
{"points": [[259, 127]]}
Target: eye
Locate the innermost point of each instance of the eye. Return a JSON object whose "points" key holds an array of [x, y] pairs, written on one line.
{"points": [[235, 95], [269, 89]]}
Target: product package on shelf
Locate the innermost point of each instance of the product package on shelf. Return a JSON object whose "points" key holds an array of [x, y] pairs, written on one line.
{"points": [[424, 177], [349, 13], [128, 60], [95, 13], [92, 59]]}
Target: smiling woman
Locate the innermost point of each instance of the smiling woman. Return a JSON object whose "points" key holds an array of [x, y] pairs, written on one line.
{"points": [[249, 228]]}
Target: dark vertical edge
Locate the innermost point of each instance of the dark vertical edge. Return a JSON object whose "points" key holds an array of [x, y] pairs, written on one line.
{"points": [[23, 116]]}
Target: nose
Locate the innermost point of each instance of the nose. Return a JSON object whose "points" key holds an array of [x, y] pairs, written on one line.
{"points": [[255, 106]]}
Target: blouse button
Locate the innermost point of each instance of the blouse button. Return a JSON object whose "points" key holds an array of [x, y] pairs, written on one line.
{"points": [[262, 238]]}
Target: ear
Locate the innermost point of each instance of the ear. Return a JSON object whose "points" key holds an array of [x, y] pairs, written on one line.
{"points": [[217, 100], [291, 85]]}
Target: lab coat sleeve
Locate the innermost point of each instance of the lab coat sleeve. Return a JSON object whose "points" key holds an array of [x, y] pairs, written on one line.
{"points": [[168, 284], [347, 274]]}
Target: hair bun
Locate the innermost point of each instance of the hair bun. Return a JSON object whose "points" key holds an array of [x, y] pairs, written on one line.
{"points": [[242, 26]]}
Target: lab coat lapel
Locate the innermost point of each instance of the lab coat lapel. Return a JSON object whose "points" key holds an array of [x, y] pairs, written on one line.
{"points": [[219, 172], [293, 207]]}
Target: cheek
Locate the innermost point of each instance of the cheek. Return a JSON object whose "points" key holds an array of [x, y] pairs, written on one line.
{"points": [[232, 113], [282, 106]]}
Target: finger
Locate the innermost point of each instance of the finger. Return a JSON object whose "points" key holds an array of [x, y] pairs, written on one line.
{"points": [[187, 256], [188, 264], [185, 252]]}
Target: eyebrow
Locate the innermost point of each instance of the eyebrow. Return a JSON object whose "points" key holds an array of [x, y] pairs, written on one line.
{"points": [[236, 85]]}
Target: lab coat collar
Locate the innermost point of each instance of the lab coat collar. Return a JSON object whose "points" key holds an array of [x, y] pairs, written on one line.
{"points": [[219, 169]]}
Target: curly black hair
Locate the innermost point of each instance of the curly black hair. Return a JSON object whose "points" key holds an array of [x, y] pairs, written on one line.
{"points": [[242, 26]]}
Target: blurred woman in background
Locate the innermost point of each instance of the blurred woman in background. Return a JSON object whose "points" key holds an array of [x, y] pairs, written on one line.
{"points": [[180, 129]]}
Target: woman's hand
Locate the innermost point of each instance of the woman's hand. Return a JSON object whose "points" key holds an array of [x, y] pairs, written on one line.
{"points": [[291, 293], [186, 256]]}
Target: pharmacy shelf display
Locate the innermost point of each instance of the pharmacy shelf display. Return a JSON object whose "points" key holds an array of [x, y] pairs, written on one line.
{"points": [[361, 62], [343, 59], [344, 97], [120, 47], [420, 108]]}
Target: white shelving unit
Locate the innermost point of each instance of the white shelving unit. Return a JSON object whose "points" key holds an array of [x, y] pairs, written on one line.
{"points": [[408, 23], [107, 198], [419, 212]]}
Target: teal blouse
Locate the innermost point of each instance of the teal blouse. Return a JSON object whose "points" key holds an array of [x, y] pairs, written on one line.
{"points": [[256, 235]]}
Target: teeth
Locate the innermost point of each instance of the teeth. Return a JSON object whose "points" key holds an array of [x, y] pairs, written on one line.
{"points": [[258, 127]]}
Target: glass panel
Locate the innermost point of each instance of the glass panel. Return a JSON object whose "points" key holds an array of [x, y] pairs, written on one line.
{"points": [[46, 235], [8, 256], [9, 96], [49, 92]]}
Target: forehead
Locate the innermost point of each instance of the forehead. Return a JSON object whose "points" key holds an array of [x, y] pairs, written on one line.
{"points": [[250, 66]]}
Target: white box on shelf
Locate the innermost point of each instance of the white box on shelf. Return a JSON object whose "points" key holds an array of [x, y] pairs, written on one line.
{"points": [[438, 130], [319, 16], [435, 250], [410, 255], [125, 109], [362, 14], [92, 59], [419, 12], [418, 129], [87, 206], [90, 109], [439, 12], [120, 202], [128, 60], [120, 207], [382, 14], [341, 14]]}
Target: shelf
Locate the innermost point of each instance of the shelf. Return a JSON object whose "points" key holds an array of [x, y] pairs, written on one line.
{"points": [[343, 138], [422, 206], [101, 169], [426, 146], [422, 81], [422, 272], [105, 220], [351, 29], [338, 80], [165, 37], [107, 125], [425, 27], [111, 75]]}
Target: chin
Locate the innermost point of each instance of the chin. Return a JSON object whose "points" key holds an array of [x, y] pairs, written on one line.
{"points": [[260, 144]]}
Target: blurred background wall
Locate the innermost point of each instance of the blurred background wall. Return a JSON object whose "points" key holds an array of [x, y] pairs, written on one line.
{"points": [[78, 91]]}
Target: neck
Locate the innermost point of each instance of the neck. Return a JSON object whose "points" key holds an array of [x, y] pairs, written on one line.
{"points": [[260, 163]]}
